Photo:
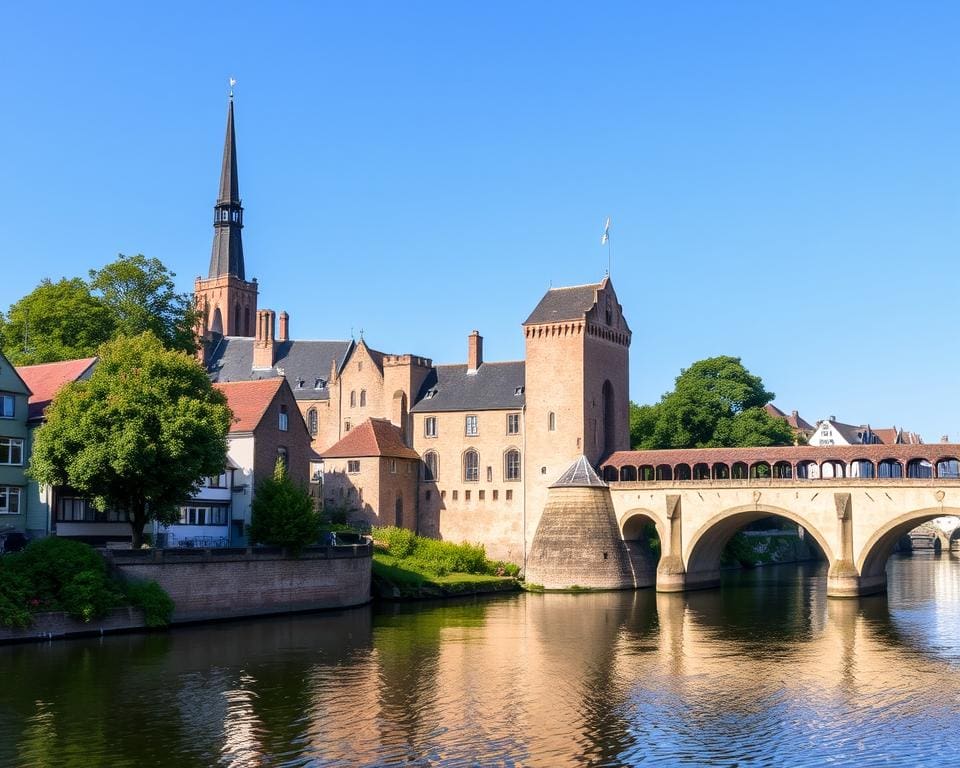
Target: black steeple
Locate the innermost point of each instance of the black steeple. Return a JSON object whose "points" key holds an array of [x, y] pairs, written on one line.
{"points": [[227, 255]]}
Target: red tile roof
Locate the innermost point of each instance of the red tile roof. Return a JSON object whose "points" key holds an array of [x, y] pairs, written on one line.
{"points": [[796, 453], [249, 400], [46, 379], [374, 437]]}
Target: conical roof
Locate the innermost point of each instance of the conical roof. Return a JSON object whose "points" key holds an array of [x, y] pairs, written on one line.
{"points": [[580, 474], [229, 183]]}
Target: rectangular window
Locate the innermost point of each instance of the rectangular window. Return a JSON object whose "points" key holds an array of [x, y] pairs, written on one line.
{"points": [[481, 494], [219, 481], [509, 496], [466, 495], [7, 403], [9, 500], [393, 466], [203, 515], [513, 423], [353, 466], [454, 495], [489, 474], [443, 494], [471, 426], [11, 451], [430, 426], [496, 495], [284, 419]]}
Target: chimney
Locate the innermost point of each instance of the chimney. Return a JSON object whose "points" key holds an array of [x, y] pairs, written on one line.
{"points": [[474, 352], [263, 343], [795, 414], [833, 418], [284, 334]]}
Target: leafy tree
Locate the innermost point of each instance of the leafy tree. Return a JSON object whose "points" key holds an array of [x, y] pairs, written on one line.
{"points": [[56, 321], [138, 436], [282, 513], [716, 402], [142, 297]]}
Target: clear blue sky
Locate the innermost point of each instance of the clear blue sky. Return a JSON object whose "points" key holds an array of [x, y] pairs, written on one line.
{"points": [[784, 178]]}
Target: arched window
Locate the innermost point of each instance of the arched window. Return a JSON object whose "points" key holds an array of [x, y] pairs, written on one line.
{"points": [[471, 466], [353, 398], [431, 466], [363, 398], [552, 421], [511, 465], [312, 421]]}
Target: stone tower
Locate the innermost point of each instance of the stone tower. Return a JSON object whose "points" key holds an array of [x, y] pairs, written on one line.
{"points": [[227, 303], [577, 385], [578, 543]]}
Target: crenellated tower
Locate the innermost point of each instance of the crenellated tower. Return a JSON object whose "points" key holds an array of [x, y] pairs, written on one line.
{"points": [[226, 301]]}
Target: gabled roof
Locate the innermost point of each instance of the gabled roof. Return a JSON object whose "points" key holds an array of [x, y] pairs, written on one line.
{"points": [[373, 437], [579, 475], [795, 420], [569, 303], [249, 401], [888, 436], [494, 386], [304, 364], [45, 380]]}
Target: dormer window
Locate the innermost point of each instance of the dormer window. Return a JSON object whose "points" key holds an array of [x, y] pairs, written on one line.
{"points": [[518, 391]]}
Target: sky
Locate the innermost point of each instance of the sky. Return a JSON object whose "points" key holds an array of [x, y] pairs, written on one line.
{"points": [[783, 178]]}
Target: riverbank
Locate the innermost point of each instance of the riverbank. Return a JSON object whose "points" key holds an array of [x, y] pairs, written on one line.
{"points": [[395, 579]]}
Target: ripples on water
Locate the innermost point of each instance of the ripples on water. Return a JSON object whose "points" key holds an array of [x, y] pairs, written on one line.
{"points": [[765, 671]]}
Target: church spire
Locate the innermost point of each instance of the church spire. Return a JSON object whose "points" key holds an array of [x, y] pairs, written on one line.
{"points": [[227, 255]]}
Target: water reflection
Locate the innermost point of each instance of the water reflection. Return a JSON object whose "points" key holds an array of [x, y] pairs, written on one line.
{"points": [[764, 671]]}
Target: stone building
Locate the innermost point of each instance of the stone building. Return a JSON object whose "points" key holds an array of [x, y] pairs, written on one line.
{"points": [[474, 445]]}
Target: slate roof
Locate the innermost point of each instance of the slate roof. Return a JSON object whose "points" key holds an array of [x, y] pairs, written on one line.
{"points": [[373, 437], [494, 387], [579, 475], [46, 379], [249, 401], [302, 363], [570, 303]]}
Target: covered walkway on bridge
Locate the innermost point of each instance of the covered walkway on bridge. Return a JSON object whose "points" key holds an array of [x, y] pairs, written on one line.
{"points": [[805, 462]]}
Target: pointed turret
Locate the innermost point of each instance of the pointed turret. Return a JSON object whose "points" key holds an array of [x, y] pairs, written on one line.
{"points": [[227, 255]]}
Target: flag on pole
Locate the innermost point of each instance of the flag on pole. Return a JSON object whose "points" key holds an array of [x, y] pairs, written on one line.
{"points": [[605, 238]]}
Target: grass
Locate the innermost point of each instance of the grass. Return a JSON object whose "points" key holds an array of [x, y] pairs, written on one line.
{"points": [[406, 565]]}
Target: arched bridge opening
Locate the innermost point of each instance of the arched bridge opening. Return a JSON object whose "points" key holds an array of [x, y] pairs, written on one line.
{"points": [[644, 547]]}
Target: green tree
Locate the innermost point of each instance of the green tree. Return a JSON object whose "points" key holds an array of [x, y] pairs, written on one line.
{"points": [[142, 297], [282, 513], [716, 402], [56, 321], [138, 436]]}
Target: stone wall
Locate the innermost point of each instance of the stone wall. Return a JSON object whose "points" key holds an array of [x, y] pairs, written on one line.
{"points": [[225, 583], [56, 624]]}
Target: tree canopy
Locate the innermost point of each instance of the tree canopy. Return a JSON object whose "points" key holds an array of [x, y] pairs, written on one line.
{"points": [[70, 318], [716, 402], [55, 321], [138, 436]]}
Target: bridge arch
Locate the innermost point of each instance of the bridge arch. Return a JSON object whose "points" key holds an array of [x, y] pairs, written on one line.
{"points": [[705, 547], [644, 558], [873, 557]]}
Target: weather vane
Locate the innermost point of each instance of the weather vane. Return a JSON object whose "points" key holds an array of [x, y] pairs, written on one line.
{"points": [[233, 82]]}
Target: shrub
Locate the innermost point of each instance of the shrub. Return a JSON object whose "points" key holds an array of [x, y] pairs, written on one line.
{"points": [[89, 595], [440, 557], [282, 514], [14, 595], [152, 599], [50, 564]]}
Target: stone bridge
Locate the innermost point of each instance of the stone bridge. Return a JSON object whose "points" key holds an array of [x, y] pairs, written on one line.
{"points": [[856, 502]]}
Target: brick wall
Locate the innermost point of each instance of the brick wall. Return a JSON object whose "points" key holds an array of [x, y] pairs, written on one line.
{"points": [[218, 584]]}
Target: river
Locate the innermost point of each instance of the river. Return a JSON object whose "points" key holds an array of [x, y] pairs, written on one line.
{"points": [[764, 671]]}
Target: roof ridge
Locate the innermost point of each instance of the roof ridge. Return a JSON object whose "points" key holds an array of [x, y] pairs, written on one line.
{"points": [[58, 362], [571, 287]]}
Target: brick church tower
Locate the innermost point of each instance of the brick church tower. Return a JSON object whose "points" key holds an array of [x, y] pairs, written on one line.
{"points": [[227, 303], [577, 385]]}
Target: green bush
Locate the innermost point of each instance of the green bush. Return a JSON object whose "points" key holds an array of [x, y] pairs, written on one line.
{"points": [[90, 595], [152, 599], [282, 513], [50, 564], [440, 557], [61, 575]]}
